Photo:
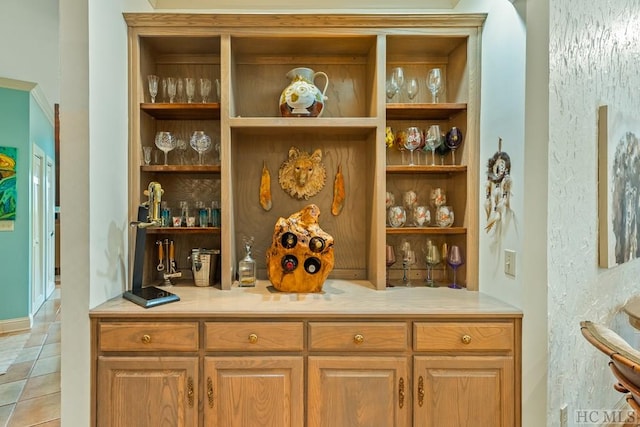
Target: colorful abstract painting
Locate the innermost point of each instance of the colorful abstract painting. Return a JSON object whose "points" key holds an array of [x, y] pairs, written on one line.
{"points": [[8, 188]]}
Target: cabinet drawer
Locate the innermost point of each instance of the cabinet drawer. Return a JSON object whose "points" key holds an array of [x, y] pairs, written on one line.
{"points": [[357, 336], [148, 336], [463, 336], [254, 336]]}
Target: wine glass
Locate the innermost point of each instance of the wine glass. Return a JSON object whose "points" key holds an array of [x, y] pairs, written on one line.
{"points": [[201, 142], [190, 87], [205, 89], [442, 150], [153, 86], [408, 259], [390, 259], [401, 136], [165, 143], [412, 88], [455, 260], [391, 89], [433, 140], [412, 141], [409, 201], [453, 140], [171, 88], [434, 83], [432, 258], [397, 77]]}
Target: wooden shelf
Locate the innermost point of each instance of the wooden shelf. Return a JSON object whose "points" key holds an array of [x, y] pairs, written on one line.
{"points": [[183, 230], [448, 169], [194, 111], [427, 230], [424, 111], [180, 168]]}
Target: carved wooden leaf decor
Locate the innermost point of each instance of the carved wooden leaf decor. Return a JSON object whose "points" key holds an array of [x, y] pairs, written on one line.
{"points": [[300, 257], [302, 175]]}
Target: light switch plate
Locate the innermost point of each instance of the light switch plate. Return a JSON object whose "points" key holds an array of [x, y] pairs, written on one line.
{"points": [[510, 262]]}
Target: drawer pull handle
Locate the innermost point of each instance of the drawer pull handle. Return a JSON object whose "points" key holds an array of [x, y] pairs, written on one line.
{"points": [[466, 339], [146, 339], [210, 391], [420, 391], [358, 338], [190, 391], [253, 338], [401, 392]]}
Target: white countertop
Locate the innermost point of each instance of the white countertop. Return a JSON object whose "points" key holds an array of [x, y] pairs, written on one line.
{"points": [[339, 298]]}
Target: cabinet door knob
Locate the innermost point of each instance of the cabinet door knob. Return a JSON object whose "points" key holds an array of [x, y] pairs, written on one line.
{"points": [[253, 338], [466, 339], [358, 338], [146, 339]]}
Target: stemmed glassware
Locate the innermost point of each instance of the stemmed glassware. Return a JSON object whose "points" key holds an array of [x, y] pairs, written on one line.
{"points": [[455, 260], [171, 89], [412, 88], [153, 86], [201, 142], [408, 259], [205, 89], [190, 88], [412, 141], [165, 143], [397, 77], [432, 258], [453, 140], [433, 140], [390, 259], [391, 89], [434, 83]]}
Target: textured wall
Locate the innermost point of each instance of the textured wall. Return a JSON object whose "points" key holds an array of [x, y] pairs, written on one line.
{"points": [[594, 60]]}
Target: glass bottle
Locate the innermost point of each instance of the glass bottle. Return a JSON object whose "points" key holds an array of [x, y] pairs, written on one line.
{"points": [[247, 266]]}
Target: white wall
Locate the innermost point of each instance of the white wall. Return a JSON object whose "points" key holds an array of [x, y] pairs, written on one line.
{"points": [[29, 44], [594, 57]]}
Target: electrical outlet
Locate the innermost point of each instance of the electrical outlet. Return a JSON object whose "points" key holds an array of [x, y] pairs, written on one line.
{"points": [[564, 415], [510, 262]]}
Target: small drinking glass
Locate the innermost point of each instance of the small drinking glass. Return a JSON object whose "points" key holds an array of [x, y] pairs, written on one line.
{"points": [[146, 151], [171, 89], [153, 86], [434, 83], [190, 87], [205, 89], [397, 216]]}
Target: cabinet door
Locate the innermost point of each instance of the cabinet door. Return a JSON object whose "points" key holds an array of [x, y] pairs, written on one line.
{"points": [[259, 391], [464, 391], [358, 391], [147, 391]]}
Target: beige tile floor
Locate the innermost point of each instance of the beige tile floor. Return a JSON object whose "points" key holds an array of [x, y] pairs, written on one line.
{"points": [[30, 390]]}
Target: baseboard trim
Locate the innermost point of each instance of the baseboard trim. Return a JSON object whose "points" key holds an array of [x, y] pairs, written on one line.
{"points": [[16, 325]]}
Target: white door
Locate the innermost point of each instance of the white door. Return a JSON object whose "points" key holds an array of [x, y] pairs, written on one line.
{"points": [[50, 224], [38, 283]]}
